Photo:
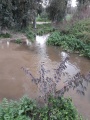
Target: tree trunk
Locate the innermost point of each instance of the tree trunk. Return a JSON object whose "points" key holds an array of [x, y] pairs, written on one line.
{"points": [[34, 23], [0, 30]]}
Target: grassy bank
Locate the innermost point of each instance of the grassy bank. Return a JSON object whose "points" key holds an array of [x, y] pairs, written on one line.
{"points": [[73, 39], [27, 109]]}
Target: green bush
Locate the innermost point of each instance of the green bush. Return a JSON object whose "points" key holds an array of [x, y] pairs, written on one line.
{"points": [[6, 35], [67, 42], [81, 30], [45, 29], [42, 18], [14, 110], [86, 51], [26, 109], [59, 109], [30, 33], [18, 41], [40, 30], [70, 43]]}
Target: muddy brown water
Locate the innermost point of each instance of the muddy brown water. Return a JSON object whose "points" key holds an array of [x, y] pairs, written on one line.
{"points": [[14, 83]]}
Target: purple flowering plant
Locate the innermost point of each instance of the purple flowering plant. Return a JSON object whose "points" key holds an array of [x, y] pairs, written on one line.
{"points": [[47, 85]]}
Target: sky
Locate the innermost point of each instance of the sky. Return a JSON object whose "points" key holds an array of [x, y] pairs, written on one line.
{"points": [[73, 3]]}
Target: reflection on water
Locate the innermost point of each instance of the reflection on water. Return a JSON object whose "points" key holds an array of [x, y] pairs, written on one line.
{"points": [[41, 40], [28, 43], [4, 44], [13, 81]]}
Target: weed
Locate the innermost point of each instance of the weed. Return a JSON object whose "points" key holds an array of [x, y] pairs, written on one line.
{"points": [[30, 33], [26, 109], [18, 41], [6, 35], [47, 85], [70, 42]]}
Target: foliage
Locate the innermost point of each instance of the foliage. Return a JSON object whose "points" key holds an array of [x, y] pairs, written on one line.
{"points": [[74, 39], [18, 41], [67, 42], [83, 4], [58, 109], [47, 84], [42, 18], [40, 30], [26, 109], [81, 30], [14, 110], [30, 33], [6, 35], [18, 13], [56, 106], [45, 29], [56, 10]]}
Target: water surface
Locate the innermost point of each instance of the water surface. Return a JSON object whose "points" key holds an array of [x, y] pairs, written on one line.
{"points": [[14, 83]]}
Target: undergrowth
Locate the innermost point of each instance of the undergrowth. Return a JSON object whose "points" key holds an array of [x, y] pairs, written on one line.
{"points": [[81, 30], [44, 29], [27, 109], [6, 35], [30, 33], [74, 39], [18, 41], [42, 19], [40, 30]]}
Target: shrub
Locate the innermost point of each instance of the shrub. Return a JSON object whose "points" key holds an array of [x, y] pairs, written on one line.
{"points": [[70, 43], [81, 30], [6, 35], [47, 85], [42, 18], [14, 110], [40, 30], [30, 33], [45, 29], [18, 41], [25, 109]]}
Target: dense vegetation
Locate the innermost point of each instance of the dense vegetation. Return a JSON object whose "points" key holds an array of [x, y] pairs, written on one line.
{"points": [[73, 39], [18, 13], [6, 35], [27, 109], [57, 9], [40, 30]]}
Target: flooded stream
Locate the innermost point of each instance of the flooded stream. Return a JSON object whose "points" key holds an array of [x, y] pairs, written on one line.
{"points": [[14, 83]]}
